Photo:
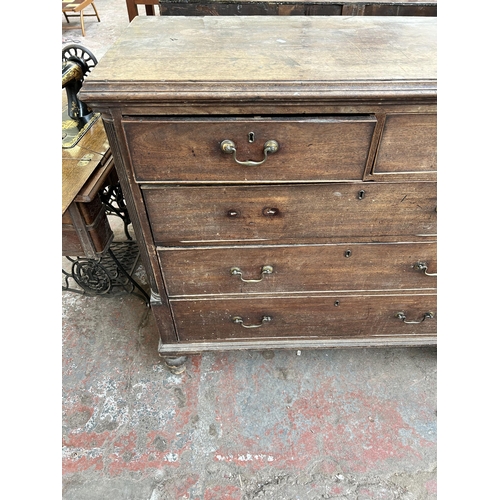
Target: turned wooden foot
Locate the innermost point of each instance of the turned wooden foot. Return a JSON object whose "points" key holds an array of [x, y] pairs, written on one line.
{"points": [[176, 365]]}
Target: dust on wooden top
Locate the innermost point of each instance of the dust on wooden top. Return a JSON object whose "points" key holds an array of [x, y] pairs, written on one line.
{"points": [[232, 57]]}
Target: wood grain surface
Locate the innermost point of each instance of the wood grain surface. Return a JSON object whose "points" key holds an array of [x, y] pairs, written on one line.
{"points": [[297, 268], [319, 317], [332, 2], [183, 56], [80, 161], [290, 213], [327, 148], [298, 7], [74, 176]]}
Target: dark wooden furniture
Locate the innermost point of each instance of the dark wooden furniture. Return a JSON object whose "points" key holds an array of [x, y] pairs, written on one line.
{"points": [[149, 7], [86, 169], [298, 7], [283, 193], [90, 191]]}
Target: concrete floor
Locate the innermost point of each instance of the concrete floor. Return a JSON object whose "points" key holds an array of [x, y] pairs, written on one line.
{"points": [[350, 424]]}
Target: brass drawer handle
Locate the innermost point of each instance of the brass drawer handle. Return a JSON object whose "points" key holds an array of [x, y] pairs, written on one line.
{"points": [[239, 320], [229, 147], [236, 271], [422, 266], [402, 317]]}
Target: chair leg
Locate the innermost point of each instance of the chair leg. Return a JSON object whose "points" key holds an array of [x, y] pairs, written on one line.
{"points": [[81, 23], [131, 10], [95, 10], [67, 18]]}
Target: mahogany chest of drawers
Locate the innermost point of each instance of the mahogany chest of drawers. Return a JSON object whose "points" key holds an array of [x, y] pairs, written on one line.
{"points": [[280, 173]]}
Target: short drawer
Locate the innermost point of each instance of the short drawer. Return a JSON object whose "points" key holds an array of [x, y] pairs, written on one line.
{"points": [[360, 316], [290, 213], [90, 211], [189, 150], [408, 146], [98, 230], [299, 268]]}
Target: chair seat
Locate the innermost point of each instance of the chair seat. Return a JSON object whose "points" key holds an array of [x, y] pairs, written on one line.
{"points": [[74, 8]]}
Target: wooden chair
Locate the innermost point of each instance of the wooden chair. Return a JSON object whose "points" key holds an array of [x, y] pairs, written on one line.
{"points": [[132, 7], [74, 8]]}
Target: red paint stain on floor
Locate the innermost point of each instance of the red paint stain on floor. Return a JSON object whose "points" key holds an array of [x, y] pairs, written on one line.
{"points": [[356, 429], [80, 464], [222, 493], [183, 491], [367, 433], [431, 486]]}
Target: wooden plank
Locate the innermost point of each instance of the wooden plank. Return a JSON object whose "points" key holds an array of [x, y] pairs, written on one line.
{"points": [[297, 7], [290, 2], [182, 348]]}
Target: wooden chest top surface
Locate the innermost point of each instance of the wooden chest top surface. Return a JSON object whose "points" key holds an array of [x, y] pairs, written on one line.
{"points": [[166, 53]]}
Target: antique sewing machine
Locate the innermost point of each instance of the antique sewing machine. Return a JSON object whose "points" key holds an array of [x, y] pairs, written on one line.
{"points": [[96, 263], [78, 118]]}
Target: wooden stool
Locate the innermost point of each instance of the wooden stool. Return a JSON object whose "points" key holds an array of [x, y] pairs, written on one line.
{"points": [[74, 8]]}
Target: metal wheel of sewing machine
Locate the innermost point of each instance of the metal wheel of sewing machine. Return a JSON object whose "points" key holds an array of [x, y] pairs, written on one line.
{"points": [[82, 54]]}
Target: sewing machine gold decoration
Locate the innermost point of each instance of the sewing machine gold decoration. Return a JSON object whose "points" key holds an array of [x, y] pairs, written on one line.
{"points": [[77, 117]]}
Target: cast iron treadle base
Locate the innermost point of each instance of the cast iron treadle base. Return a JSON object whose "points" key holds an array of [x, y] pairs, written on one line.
{"points": [[112, 198], [110, 274]]}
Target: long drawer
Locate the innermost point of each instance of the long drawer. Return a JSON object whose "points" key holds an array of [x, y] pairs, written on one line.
{"points": [[190, 149], [290, 213], [298, 268], [319, 317]]}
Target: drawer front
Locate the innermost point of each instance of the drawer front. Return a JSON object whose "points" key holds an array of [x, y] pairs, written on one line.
{"points": [[319, 317], [302, 268], [189, 150], [408, 144], [99, 231], [290, 213]]}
